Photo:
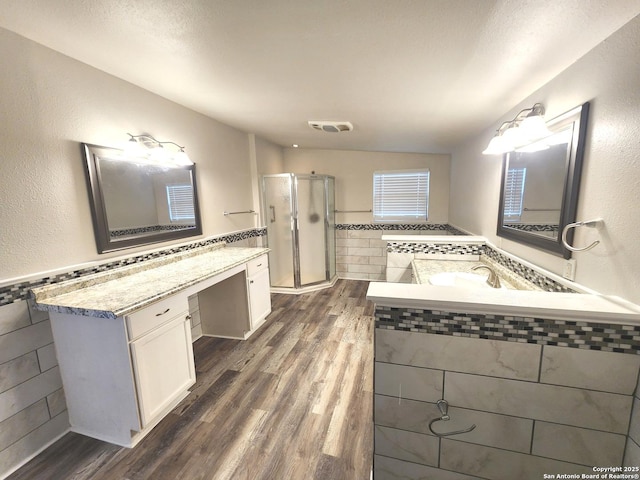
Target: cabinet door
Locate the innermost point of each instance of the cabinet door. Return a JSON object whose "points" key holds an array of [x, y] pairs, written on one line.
{"points": [[163, 366], [259, 297]]}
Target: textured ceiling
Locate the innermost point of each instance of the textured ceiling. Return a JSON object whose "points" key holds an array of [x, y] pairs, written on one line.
{"points": [[417, 76]]}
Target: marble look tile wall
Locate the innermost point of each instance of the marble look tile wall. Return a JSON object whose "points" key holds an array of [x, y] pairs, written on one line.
{"points": [[632, 451], [33, 410], [537, 408]]}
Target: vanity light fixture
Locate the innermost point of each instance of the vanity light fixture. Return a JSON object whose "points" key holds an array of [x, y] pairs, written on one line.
{"points": [[146, 147], [528, 126]]}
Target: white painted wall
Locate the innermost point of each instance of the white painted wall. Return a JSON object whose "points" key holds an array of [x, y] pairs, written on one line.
{"points": [[50, 103], [353, 171], [269, 156], [268, 159], [610, 188]]}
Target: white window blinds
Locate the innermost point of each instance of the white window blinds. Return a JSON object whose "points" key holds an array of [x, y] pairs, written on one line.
{"points": [[513, 194], [400, 195], [180, 198]]}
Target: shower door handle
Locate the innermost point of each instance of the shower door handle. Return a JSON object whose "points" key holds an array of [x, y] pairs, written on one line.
{"points": [[273, 213]]}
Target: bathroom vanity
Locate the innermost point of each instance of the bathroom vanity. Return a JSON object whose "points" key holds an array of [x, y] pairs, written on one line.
{"points": [[123, 337]]}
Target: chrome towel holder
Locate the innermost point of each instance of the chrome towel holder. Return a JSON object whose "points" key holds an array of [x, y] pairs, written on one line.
{"points": [[226, 214], [443, 406], [587, 223]]}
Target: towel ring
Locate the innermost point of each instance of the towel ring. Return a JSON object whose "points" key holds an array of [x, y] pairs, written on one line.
{"points": [[443, 406], [588, 223]]}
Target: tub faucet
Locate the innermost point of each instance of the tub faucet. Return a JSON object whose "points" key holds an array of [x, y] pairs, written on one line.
{"points": [[492, 280]]}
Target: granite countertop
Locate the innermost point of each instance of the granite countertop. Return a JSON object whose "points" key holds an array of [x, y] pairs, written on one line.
{"points": [[123, 290]]}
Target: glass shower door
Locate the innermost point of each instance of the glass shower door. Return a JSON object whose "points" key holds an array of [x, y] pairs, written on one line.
{"points": [[277, 208], [331, 226], [311, 221]]}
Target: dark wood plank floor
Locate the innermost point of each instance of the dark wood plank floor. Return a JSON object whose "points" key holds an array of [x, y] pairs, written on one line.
{"points": [[292, 402]]}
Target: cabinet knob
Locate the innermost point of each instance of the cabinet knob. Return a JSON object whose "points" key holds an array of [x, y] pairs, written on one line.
{"points": [[188, 317], [250, 281]]}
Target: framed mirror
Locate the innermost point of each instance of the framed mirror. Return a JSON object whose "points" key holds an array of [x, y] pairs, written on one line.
{"points": [[540, 183], [134, 202]]}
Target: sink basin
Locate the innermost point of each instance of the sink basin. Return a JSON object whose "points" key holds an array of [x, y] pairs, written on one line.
{"points": [[459, 279]]}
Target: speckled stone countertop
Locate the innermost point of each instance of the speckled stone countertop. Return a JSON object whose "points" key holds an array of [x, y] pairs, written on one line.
{"points": [[423, 269], [121, 291]]}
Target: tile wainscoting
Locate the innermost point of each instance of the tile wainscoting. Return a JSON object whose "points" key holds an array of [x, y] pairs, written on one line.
{"points": [[361, 254], [538, 407], [33, 411]]}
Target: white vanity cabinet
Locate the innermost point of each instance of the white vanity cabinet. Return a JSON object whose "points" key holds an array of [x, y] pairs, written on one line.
{"points": [[259, 290], [123, 338], [162, 356], [122, 376]]}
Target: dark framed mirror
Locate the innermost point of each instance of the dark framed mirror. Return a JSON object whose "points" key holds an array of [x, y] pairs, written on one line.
{"points": [[134, 202], [540, 184]]}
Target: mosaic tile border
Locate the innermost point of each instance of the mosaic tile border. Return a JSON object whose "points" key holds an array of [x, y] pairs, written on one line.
{"points": [[153, 228], [20, 291], [604, 337], [442, 227], [534, 227], [435, 248], [545, 283]]}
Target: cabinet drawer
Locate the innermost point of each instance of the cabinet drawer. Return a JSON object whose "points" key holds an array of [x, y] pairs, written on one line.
{"points": [[257, 264], [148, 318]]}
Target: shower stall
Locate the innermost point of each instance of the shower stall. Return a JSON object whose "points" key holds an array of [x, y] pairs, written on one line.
{"points": [[299, 211]]}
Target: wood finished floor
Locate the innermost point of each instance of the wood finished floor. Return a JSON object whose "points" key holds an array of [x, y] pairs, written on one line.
{"points": [[292, 402]]}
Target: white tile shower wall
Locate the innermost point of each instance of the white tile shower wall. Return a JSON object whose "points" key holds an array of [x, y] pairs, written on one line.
{"points": [[361, 254], [32, 405], [537, 408]]}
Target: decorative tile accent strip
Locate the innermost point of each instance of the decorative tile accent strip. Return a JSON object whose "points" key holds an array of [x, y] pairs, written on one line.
{"points": [[545, 283], [534, 227], [454, 231], [563, 333], [443, 227], [20, 291], [153, 228], [435, 248]]}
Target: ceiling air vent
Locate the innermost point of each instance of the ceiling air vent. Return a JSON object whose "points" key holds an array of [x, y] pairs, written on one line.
{"points": [[331, 127]]}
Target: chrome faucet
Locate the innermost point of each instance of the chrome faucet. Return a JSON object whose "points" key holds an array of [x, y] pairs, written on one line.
{"points": [[492, 280]]}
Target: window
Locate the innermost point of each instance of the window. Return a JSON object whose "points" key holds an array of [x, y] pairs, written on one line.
{"points": [[513, 194], [180, 198], [400, 196]]}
